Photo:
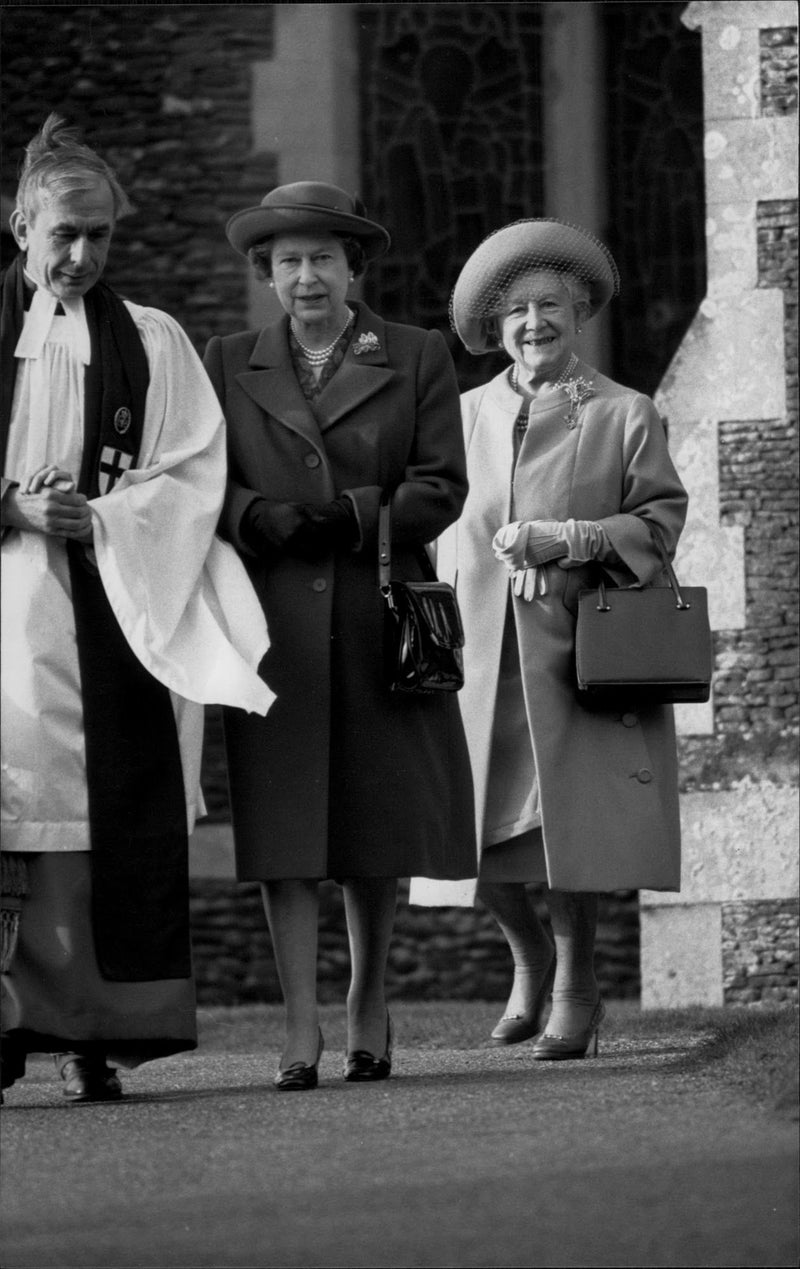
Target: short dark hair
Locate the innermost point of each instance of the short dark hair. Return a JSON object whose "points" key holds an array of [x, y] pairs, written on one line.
{"points": [[260, 256]]}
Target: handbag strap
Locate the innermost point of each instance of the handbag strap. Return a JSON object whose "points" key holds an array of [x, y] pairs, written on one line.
{"points": [[655, 533], [385, 547], [658, 540], [385, 543]]}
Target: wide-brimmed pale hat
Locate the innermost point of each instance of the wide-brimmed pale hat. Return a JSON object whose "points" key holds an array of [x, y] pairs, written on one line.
{"points": [[307, 207], [519, 248]]}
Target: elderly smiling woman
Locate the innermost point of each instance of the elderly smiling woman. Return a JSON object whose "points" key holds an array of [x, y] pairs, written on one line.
{"points": [[567, 469]]}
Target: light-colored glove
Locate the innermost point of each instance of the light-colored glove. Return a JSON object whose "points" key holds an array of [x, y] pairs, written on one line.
{"points": [[529, 582], [526, 546], [585, 540], [533, 542], [528, 542]]}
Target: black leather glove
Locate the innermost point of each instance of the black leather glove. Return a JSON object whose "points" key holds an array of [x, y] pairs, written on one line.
{"points": [[269, 526], [334, 524], [299, 529]]}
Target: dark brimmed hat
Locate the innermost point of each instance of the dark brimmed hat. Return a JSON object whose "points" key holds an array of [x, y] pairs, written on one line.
{"points": [[307, 207], [519, 248]]}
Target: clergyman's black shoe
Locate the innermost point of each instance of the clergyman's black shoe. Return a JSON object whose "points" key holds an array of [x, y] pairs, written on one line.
{"points": [[12, 1065], [86, 1081]]}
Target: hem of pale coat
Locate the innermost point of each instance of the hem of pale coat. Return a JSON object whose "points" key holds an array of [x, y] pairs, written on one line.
{"points": [[463, 894], [32, 838], [449, 879], [507, 833]]}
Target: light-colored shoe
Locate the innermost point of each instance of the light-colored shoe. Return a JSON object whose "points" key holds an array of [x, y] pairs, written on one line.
{"points": [[562, 1048], [515, 1027]]}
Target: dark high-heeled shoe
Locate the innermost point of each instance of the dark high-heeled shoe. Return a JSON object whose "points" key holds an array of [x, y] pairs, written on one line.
{"points": [[300, 1077], [360, 1065], [513, 1028], [560, 1048]]}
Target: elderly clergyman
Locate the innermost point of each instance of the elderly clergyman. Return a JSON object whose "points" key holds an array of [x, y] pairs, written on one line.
{"points": [[123, 614]]}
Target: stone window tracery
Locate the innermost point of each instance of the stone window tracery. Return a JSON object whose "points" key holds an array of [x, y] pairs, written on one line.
{"points": [[451, 144]]}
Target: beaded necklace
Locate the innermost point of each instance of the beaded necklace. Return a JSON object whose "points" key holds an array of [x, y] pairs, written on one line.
{"points": [[521, 423], [318, 356], [557, 383]]}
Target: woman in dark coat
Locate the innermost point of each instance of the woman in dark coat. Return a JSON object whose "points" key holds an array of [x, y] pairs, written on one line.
{"points": [[327, 408]]}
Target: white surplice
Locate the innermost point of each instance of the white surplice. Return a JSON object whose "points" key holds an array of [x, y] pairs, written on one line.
{"points": [[180, 594]]}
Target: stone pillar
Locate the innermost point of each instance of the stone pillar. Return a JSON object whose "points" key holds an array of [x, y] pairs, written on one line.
{"points": [[305, 107], [731, 933], [574, 143]]}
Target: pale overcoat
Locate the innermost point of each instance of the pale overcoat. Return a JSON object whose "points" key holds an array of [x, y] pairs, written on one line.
{"points": [[342, 778], [607, 781]]}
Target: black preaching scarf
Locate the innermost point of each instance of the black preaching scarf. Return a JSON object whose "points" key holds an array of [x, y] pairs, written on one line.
{"points": [[137, 810]]}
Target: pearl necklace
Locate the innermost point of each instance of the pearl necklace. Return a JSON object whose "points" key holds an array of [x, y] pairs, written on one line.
{"points": [[557, 383], [566, 372], [318, 356]]}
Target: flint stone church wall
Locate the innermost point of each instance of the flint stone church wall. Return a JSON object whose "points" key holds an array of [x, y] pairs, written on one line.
{"points": [[164, 92]]}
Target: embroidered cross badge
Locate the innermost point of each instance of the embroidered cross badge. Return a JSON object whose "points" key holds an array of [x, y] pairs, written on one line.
{"points": [[122, 420], [113, 462]]}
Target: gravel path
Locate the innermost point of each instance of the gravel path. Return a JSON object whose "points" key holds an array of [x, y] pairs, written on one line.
{"points": [[470, 1157]]}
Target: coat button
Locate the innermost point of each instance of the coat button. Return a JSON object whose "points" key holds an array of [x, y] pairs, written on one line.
{"points": [[644, 776], [319, 584], [312, 460], [630, 720]]}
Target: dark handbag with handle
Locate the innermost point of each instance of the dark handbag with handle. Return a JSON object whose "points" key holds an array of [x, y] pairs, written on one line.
{"points": [[645, 645], [423, 634]]}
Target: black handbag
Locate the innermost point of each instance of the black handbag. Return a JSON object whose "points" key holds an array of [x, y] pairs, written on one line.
{"points": [[423, 634], [645, 645]]}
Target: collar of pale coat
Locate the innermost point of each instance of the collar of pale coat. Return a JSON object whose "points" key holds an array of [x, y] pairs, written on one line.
{"points": [[501, 394]]}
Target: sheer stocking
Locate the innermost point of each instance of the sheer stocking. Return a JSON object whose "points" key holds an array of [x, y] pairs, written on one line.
{"points": [[513, 909], [575, 990], [369, 904], [292, 909]]}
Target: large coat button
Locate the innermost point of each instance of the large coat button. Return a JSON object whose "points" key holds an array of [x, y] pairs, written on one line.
{"points": [[644, 776], [312, 460], [319, 584]]}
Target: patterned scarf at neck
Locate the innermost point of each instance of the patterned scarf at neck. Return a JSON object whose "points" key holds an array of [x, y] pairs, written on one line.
{"points": [[312, 386]]}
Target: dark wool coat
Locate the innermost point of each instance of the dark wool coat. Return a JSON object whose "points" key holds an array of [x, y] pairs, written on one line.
{"points": [[343, 778], [607, 781]]}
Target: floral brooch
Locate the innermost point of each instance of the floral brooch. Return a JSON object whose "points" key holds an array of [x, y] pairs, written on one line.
{"points": [[578, 391], [367, 342]]}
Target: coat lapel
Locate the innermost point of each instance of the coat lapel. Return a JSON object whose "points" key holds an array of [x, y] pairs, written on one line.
{"points": [[364, 371], [272, 383], [490, 456]]}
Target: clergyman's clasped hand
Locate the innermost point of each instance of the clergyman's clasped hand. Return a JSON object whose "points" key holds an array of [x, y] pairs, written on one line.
{"points": [[47, 502]]}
